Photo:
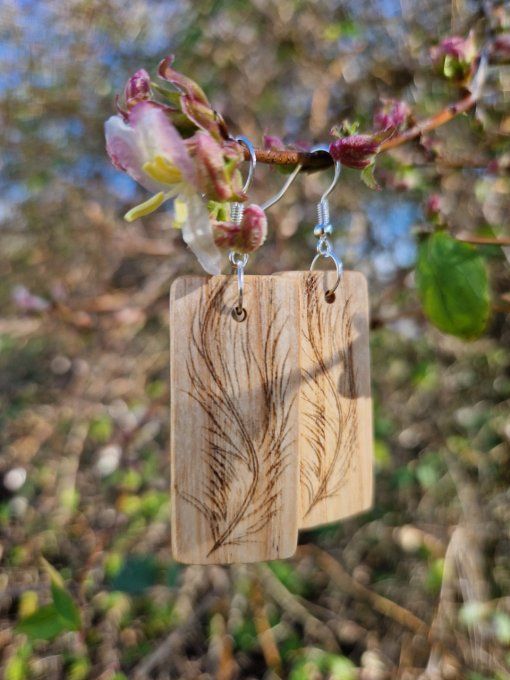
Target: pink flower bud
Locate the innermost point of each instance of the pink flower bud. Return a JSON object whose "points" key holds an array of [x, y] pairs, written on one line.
{"points": [[461, 49], [493, 166], [218, 178], [27, 301], [273, 143], [501, 46], [246, 237], [433, 206], [138, 88], [392, 116], [355, 151], [185, 85]]}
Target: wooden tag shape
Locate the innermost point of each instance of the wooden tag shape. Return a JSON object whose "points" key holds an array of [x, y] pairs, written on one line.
{"points": [[234, 419], [336, 438]]}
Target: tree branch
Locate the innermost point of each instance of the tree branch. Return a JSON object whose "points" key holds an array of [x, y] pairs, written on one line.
{"points": [[319, 160]]}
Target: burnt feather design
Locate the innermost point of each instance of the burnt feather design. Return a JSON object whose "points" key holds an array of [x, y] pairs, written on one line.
{"points": [[245, 455], [325, 472]]}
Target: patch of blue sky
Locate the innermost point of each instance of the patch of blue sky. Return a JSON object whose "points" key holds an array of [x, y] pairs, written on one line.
{"points": [[391, 226], [392, 243], [119, 184]]}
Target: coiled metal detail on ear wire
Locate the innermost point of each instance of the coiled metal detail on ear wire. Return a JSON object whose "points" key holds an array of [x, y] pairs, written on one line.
{"points": [[240, 260], [324, 228]]}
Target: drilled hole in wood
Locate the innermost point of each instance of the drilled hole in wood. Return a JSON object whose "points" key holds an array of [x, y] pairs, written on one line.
{"points": [[239, 314], [330, 297]]}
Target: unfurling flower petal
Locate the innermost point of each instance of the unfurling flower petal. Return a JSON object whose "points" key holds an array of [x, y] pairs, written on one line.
{"points": [[197, 233], [461, 49], [393, 115], [194, 103], [146, 134], [246, 237], [354, 151], [218, 177], [138, 88], [184, 84]]}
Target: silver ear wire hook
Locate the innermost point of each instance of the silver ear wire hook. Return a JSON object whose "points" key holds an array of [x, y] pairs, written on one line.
{"points": [[323, 229], [240, 260], [237, 208], [274, 199]]}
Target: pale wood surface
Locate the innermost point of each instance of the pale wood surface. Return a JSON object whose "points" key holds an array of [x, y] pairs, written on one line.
{"points": [[234, 419], [336, 439]]}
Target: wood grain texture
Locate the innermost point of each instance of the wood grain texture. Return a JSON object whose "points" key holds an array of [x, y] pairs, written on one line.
{"points": [[336, 440], [234, 420]]}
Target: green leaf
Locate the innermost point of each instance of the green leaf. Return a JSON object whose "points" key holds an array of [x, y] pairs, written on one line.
{"points": [[304, 669], [453, 286], [137, 573], [367, 176], [66, 607], [62, 600], [16, 669], [502, 626], [172, 574], [342, 668], [287, 574], [79, 669], [55, 577], [450, 66], [43, 624], [101, 429]]}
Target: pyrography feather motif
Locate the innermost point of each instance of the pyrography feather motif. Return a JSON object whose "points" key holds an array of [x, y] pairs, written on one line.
{"points": [[325, 472], [237, 506]]}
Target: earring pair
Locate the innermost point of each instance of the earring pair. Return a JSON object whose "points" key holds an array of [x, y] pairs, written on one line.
{"points": [[323, 229]]}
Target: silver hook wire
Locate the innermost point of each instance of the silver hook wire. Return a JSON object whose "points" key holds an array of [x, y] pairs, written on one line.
{"points": [[324, 228], [274, 199], [237, 208], [324, 225], [253, 160], [240, 260]]}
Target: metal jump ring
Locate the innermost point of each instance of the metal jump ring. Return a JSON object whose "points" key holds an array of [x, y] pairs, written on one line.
{"points": [[338, 265], [239, 261], [324, 247]]}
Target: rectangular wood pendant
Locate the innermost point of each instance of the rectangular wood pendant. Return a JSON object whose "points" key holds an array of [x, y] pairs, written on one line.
{"points": [[234, 419], [336, 439]]}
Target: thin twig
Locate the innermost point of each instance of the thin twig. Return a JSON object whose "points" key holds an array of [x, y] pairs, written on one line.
{"points": [[290, 604], [319, 160], [264, 630], [382, 604], [484, 240]]}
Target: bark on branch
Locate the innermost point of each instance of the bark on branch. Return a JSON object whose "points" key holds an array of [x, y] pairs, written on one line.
{"points": [[319, 160]]}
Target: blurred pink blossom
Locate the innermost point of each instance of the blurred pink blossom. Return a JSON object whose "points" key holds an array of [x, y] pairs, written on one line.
{"points": [[461, 49], [246, 237], [216, 165], [27, 301], [138, 88], [433, 206], [392, 115], [501, 46], [354, 151], [273, 143]]}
